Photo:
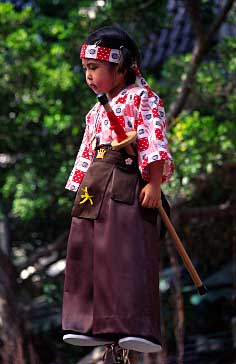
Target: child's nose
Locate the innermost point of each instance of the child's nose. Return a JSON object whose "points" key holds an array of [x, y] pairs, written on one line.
{"points": [[89, 76]]}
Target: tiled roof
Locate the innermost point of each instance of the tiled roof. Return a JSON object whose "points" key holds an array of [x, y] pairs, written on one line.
{"points": [[179, 36]]}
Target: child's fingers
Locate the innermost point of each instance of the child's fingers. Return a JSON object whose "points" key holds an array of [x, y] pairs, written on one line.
{"points": [[147, 200], [141, 195], [150, 203]]}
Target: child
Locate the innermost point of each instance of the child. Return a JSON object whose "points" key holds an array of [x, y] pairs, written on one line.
{"points": [[111, 292]]}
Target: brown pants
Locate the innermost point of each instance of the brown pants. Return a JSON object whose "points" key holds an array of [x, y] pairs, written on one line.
{"points": [[112, 267]]}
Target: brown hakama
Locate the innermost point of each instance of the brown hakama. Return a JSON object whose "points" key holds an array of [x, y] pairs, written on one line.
{"points": [[112, 266]]}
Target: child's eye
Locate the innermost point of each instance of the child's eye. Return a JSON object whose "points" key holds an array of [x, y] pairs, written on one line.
{"points": [[92, 67]]}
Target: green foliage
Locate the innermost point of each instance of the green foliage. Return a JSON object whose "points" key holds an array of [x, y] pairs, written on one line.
{"points": [[132, 16], [44, 101], [42, 118], [204, 135], [136, 13], [40, 121], [46, 97], [200, 143]]}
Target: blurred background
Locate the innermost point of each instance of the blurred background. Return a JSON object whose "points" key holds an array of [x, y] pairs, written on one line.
{"points": [[188, 55]]}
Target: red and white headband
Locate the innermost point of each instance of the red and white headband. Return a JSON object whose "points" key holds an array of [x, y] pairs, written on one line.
{"points": [[95, 51], [101, 53]]}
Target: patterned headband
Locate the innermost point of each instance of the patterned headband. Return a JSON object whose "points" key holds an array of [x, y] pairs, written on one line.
{"points": [[110, 55], [101, 53]]}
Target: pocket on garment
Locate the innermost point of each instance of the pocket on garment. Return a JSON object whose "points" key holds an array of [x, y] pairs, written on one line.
{"points": [[96, 181], [124, 186]]}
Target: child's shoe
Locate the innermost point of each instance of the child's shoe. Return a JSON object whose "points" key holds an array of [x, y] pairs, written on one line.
{"points": [[84, 340], [139, 344]]}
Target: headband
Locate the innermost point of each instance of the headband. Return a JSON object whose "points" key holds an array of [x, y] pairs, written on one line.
{"points": [[102, 53], [95, 51]]}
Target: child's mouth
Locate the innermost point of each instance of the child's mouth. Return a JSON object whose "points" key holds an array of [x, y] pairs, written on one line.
{"points": [[93, 87]]}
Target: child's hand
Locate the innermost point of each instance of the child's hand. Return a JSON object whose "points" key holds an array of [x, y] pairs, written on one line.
{"points": [[150, 195]]}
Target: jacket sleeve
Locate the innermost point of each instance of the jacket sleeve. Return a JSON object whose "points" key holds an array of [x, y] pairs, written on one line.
{"points": [[82, 163], [152, 143]]}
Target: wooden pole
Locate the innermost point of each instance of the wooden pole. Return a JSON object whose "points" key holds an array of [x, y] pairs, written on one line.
{"points": [[182, 252]]}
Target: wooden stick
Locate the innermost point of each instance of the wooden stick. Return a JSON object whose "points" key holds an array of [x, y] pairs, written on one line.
{"points": [[182, 252]]}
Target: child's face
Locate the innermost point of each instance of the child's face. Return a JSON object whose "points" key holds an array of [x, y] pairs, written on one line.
{"points": [[103, 77]]}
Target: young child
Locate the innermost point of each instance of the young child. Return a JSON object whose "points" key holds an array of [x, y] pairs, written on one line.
{"points": [[111, 291]]}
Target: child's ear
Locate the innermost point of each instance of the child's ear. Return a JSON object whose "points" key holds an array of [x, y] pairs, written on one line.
{"points": [[121, 67], [125, 59]]}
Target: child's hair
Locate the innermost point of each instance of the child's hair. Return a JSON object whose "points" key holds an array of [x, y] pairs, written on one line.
{"points": [[116, 38]]}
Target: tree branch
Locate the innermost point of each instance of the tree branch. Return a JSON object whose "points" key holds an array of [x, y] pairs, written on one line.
{"points": [[177, 106], [194, 10], [146, 4], [202, 46], [222, 210], [221, 18], [7, 272], [58, 244], [176, 289], [41, 268]]}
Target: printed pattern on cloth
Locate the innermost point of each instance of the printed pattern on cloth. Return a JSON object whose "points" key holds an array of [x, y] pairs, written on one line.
{"points": [[137, 109], [101, 53]]}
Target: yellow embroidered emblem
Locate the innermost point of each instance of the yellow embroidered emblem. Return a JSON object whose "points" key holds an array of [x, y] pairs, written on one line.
{"points": [[86, 196], [101, 153]]}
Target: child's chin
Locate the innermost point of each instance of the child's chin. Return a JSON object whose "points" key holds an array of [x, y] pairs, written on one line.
{"points": [[98, 92]]}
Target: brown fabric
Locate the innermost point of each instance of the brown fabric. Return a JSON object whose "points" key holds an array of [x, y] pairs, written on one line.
{"points": [[124, 179], [124, 186], [112, 269], [96, 182]]}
